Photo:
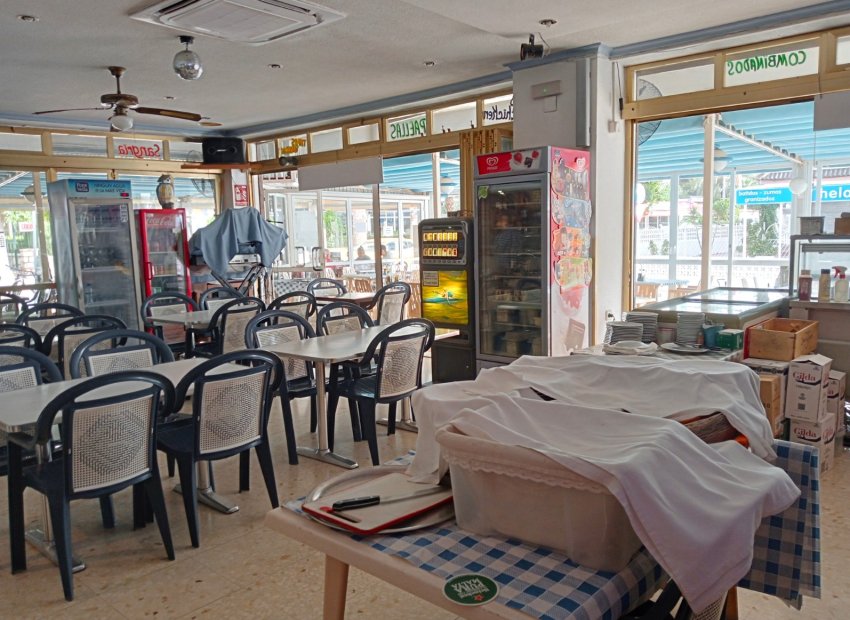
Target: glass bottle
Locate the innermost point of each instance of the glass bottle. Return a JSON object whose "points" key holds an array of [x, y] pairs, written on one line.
{"points": [[824, 285], [804, 285]]}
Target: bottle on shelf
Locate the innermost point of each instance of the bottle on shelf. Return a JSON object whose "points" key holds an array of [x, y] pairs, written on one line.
{"points": [[804, 285], [89, 294], [824, 285], [841, 289]]}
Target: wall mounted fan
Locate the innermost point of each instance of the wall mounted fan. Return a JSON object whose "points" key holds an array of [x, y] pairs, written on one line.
{"points": [[122, 103], [647, 90]]}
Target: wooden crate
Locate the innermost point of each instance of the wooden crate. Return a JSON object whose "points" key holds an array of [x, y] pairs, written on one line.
{"points": [[782, 339]]}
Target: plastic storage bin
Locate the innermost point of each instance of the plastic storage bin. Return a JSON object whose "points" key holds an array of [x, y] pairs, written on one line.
{"points": [[516, 492]]}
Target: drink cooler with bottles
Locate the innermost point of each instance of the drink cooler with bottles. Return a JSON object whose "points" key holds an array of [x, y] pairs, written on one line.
{"points": [[95, 256]]}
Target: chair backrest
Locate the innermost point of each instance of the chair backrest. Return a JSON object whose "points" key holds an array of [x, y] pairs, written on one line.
{"points": [[341, 316], [362, 285], [108, 430], [326, 286], [399, 351], [44, 317], [230, 320], [301, 303], [391, 300], [12, 305], [67, 335], [215, 298], [23, 368], [14, 335], [231, 401], [276, 327], [161, 304], [127, 349]]}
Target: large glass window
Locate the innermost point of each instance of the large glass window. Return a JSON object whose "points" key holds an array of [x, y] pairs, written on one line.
{"points": [[770, 168], [194, 194], [21, 260]]}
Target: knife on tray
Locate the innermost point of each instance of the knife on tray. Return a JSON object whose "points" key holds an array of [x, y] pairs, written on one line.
{"points": [[373, 500]]}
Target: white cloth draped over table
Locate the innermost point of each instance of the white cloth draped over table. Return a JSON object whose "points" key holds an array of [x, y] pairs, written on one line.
{"points": [[696, 507]]}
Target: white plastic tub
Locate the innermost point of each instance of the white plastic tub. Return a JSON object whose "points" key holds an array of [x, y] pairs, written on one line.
{"points": [[516, 492]]}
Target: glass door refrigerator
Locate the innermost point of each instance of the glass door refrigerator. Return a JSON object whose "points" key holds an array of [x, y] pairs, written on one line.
{"points": [[164, 248], [94, 247], [533, 270]]}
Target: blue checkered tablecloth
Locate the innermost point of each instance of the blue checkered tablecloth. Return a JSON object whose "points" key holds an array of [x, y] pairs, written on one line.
{"points": [[786, 549], [545, 584]]}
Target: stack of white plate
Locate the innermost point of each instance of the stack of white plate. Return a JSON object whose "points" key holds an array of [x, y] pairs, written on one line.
{"points": [[649, 320], [688, 327], [617, 331]]}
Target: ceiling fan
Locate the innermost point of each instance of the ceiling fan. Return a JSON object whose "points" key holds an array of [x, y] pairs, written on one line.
{"points": [[121, 103]]}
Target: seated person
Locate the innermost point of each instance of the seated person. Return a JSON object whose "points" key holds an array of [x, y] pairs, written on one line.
{"points": [[361, 254], [362, 258]]}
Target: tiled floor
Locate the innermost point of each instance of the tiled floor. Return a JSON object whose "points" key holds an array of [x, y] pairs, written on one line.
{"points": [[243, 570]]}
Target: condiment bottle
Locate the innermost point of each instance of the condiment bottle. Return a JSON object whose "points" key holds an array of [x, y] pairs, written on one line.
{"points": [[804, 285], [841, 291], [824, 285]]}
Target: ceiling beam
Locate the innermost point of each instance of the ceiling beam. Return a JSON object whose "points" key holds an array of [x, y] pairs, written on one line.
{"points": [[731, 131]]}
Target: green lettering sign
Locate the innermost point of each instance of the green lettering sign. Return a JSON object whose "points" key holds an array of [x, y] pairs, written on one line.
{"points": [[766, 61], [411, 127]]}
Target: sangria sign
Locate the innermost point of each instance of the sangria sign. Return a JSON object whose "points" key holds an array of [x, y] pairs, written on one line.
{"points": [[138, 149]]}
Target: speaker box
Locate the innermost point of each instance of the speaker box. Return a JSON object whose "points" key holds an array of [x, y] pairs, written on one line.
{"points": [[224, 150]]}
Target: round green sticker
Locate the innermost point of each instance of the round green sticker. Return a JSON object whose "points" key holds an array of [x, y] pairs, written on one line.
{"points": [[470, 589]]}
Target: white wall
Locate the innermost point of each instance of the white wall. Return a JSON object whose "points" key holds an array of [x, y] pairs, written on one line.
{"points": [[533, 126], [607, 189]]}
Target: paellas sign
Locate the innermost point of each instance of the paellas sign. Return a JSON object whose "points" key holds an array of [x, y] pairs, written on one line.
{"points": [[766, 61], [407, 127], [138, 149]]}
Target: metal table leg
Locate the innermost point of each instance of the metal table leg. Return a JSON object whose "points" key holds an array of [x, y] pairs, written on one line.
{"points": [[40, 536], [406, 423], [323, 453], [206, 492]]}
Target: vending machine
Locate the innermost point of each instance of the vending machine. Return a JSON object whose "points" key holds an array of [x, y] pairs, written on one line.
{"points": [[533, 221], [446, 255], [164, 247], [94, 247]]}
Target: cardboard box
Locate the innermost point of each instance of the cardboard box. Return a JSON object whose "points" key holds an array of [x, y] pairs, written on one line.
{"points": [[842, 226], [805, 398], [820, 434], [782, 339], [836, 385], [772, 367], [769, 386], [730, 339]]}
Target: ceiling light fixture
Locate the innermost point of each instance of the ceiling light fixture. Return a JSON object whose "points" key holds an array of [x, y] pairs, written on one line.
{"points": [[30, 19], [430, 63], [274, 65], [798, 185], [120, 121], [548, 22], [721, 160], [187, 64]]}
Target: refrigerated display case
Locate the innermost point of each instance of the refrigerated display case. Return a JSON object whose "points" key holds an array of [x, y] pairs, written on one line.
{"points": [[164, 249], [814, 253], [94, 247], [533, 214], [734, 308]]}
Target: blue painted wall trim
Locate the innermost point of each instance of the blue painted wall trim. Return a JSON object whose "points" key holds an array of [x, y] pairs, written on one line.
{"points": [[766, 22], [369, 108]]}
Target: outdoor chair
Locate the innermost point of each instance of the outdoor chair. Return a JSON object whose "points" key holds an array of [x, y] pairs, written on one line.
{"points": [[12, 305], [215, 298], [108, 445], [299, 378], [301, 303], [230, 413], [14, 335], [227, 326], [161, 304], [390, 301], [44, 317], [126, 349], [61, 341], [326, 287], [399, 351]]}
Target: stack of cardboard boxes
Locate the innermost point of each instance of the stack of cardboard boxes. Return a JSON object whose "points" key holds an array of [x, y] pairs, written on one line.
{"points": [[802, 396]]}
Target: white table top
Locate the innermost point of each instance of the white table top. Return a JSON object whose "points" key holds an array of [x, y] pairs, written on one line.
{"points": [[338, 347], [198, 318], [354, 296], [19, 410]]}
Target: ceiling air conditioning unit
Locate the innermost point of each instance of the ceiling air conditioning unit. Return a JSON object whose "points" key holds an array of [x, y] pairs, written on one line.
{"points": [[244, 21]]}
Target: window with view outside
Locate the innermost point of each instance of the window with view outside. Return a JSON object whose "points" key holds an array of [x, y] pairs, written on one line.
{"points": [[771, 168], [194, 194], [23, 260]]}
